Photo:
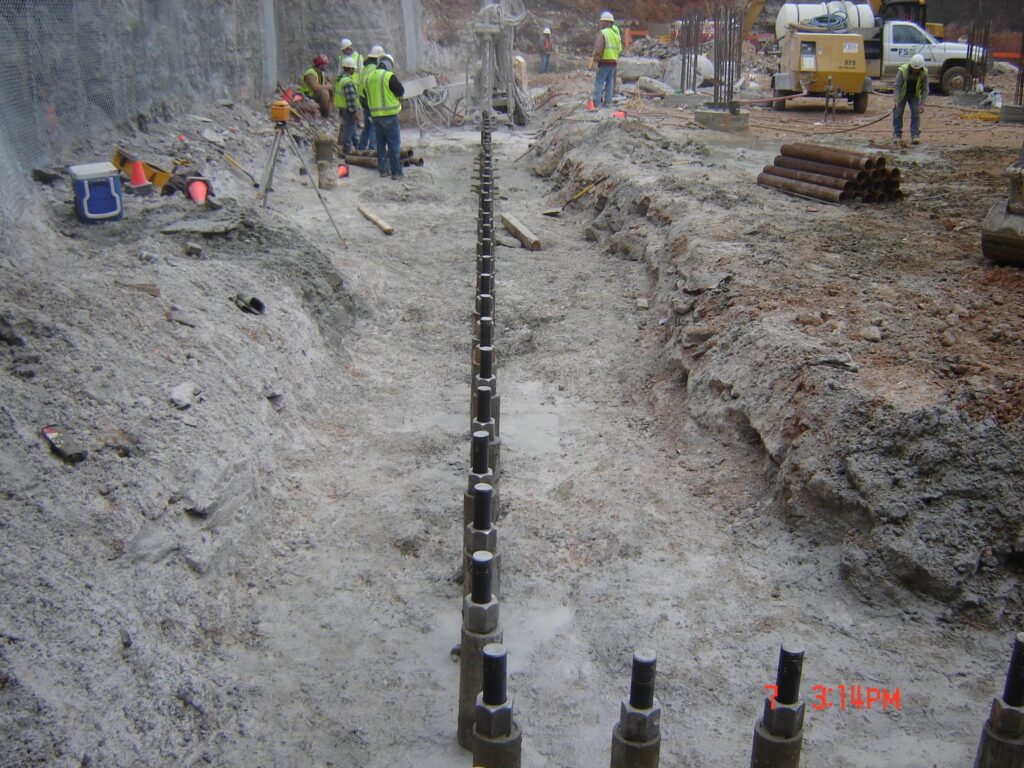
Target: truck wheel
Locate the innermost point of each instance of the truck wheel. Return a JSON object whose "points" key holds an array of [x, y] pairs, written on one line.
{"points": [[954, 79], [778, 106], [860, 103]]}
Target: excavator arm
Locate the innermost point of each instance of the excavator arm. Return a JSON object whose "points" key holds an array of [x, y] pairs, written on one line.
{"points": [[754, 8]]}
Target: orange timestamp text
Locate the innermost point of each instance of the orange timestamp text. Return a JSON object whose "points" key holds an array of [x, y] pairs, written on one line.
{"points": [[844, 697]]}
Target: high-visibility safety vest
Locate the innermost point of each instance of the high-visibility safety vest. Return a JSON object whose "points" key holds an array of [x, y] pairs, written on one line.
{"points": [[303, 88], [922, 79], [339, 91], [355, 55], [612, 44], [363, 77], [383, 103]]}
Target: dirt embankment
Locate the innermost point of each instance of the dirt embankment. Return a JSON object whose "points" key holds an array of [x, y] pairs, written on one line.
{"points": [[870, 351]]}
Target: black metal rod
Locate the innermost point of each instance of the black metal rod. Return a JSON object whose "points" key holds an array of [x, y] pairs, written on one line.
{"points": [[484, 283], [483, 501], [486, 366], [483, 407], [485, 303], [480, 574], [787, 679], [495, 659], [1013, 691], [641, 686], [486, 332], [478, 449]]}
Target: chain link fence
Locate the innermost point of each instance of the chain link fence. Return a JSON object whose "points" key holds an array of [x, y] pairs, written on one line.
{"points": [[74, 69]]}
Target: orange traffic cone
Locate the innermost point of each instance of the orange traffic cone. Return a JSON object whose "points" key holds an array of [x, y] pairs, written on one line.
{"points": [[139, 184], [590, 105], [342, 171], [197, 189]]}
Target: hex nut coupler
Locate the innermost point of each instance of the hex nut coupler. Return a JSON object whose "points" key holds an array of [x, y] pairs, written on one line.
{"points": [[479, 472], [497, 740], [779, 734], [1002, 738], [636, 738], [480, 628], [484, 421], [480, 535]]}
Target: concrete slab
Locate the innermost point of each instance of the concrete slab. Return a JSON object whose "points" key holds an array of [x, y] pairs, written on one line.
{"points": [[722, 120]]}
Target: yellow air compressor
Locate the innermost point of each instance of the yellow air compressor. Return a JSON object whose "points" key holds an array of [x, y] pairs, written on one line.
{"points": [[827, 64]]}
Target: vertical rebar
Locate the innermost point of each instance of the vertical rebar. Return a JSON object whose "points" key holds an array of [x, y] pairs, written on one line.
{"points": [[495, 663], [641, 685], [787, 678], [480, 570]]}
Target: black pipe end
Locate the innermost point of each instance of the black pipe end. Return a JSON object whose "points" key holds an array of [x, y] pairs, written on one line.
{"points": [[791, 665], [495, 659], [483, 505], [641, 686], [480, 577], [478, 449]]}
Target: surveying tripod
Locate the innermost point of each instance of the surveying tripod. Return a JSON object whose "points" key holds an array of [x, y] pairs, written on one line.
{"points": [[280, 133]]}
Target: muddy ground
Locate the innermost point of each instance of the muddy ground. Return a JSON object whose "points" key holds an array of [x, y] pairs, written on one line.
{"points": [[268, 574]]}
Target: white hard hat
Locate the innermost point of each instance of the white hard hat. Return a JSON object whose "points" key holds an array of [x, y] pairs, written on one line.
{"points": [[348, 63], [547, 30], [387, 61], [917, 61], [345, 43], [607, 16], [377, 51]]}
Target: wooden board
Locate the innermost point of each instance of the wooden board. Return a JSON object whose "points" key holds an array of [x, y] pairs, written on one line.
{"points": [[384, 227], [525, 236]]}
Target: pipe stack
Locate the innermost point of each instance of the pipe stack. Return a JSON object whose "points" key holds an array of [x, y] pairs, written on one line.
{"points": [[367, 158], [832, 175]]}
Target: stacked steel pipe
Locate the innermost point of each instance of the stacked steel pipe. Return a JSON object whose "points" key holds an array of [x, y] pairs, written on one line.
{"points": [[367, 158], [832, 175]]}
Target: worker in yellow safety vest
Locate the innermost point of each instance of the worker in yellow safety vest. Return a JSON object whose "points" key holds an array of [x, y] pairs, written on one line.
{"points": [[383, 90], [347, 102], [368, 138], [315, 85], [607, 47], [911, 87], [346, 50]]}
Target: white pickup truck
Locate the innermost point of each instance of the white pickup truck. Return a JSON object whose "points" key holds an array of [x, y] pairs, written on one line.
{"points": [[896, 41]]}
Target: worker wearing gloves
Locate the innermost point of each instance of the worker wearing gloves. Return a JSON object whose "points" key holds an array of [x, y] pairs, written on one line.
{"points": [[345, 51], [547, 47], [383, 89], [347, 101], [316, 86], [607, 47], [911, 87], [368, 138]]}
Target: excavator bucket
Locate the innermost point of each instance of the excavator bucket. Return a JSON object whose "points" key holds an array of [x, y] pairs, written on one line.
{"points": [[1002, 234]]}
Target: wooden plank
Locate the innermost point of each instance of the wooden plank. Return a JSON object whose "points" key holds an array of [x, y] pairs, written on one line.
{"points": [[384, 227], [525, 236]]}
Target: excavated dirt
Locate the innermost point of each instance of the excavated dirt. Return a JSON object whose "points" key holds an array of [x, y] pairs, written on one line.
{"points": [[702, 453]]}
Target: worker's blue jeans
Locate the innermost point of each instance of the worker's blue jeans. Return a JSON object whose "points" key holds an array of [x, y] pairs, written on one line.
{"points": [[915, 117], [389, 144], [604, 86], [545, 63], [367, 139], [348, 136]]}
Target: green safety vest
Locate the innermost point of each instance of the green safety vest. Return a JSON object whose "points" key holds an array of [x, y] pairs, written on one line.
{"points": [[363, 77], [355, 55], [382, 101], [921, 81], [305, 89], [339, 91], [612, 44]]}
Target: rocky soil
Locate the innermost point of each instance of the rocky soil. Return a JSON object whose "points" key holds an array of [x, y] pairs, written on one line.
{"points": [[729, 417]]}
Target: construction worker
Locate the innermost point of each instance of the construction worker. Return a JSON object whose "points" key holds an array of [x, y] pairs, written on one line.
{"points": [[316, 86], [547, 47], [607, 47], [345, 50], [383, 89], [911, 87], [347, 101], [368, 138]]}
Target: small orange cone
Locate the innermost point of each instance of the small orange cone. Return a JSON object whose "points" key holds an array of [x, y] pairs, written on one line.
{"points": [[139, 184], [620, 113], [590, 105], [138, 174], [342, 171], [197, 189]]}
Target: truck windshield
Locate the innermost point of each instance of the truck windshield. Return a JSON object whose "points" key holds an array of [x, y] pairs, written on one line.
{"points": [[910, 34]]}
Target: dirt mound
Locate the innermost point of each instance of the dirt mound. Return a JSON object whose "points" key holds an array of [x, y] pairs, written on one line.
{"points": [[869, 443]]}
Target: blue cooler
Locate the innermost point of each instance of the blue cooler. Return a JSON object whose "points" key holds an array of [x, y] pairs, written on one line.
{"points": [[98, 195]]}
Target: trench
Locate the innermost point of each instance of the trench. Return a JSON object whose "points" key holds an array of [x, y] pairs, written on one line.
{"points": [[625, 523]]}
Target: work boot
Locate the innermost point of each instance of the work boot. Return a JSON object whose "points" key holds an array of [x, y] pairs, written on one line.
{"points": [[897, 141], [916, 140]]}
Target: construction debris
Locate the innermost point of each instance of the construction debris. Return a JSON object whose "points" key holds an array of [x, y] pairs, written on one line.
{"points": [[382, 225], [529, 240]]}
